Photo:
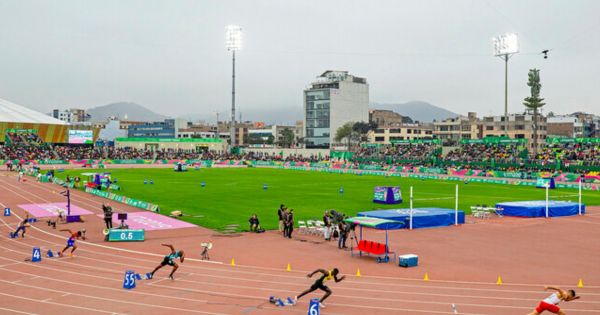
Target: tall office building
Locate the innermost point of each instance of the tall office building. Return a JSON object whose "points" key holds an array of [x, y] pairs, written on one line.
{"points": [[332, 100]]}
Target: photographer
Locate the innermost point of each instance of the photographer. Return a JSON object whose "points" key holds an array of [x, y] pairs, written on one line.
{"points": [[108, 212], [344, 229], [254, 223]]}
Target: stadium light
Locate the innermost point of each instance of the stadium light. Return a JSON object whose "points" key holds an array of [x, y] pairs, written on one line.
{"points": [[233, 42], [505, 46]]}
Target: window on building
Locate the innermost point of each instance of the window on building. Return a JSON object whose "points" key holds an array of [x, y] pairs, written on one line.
{"points": [[379, 139], [489, 127], [395, 130], [408, 130]]}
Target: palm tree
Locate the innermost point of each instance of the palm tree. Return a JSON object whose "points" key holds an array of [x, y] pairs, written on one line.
{"points": [[534, 102]]}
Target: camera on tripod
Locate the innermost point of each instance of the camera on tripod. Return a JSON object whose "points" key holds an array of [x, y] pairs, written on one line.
{"points": [[336, 217]]}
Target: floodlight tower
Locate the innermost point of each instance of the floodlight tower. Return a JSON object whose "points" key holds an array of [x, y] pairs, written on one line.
{"points": [[505, 46], [233, 42]]}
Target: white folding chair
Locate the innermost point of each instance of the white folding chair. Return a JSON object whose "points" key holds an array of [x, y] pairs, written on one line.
{"points": [[302, 227], [311, 228]]}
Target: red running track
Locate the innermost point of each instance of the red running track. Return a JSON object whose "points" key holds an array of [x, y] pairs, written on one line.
{"points": [[462, 263]]}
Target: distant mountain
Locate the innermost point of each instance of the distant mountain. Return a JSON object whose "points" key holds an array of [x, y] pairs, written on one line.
{"points": [[417, 110], [133, 111]]}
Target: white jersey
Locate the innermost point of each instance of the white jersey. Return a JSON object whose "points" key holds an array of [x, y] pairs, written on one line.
{"points": [[552, 299]]}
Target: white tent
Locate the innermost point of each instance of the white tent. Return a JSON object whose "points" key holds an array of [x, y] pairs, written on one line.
{"points": [[11, 112]]}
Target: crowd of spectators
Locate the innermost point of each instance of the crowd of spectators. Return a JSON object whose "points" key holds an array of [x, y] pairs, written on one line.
{"points": [[485, 152], [31, 147], [570, 153], [407, 152]]}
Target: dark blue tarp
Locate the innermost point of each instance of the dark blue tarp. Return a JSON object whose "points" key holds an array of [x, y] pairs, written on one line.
{"points": [[537, 208], [422, 217]]}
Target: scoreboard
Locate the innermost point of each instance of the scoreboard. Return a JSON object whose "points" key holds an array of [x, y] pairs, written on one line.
{"points": [[118, 235]]}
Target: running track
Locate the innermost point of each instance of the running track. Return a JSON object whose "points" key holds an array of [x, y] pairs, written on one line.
{"points": [[91, 282]]}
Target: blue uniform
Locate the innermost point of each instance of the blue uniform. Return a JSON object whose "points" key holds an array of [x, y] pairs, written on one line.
{"points": [[169, 259]]}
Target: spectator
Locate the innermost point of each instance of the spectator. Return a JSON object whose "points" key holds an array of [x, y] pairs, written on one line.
{"points": [[254, 223]]}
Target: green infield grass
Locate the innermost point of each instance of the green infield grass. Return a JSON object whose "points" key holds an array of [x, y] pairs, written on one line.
{"points": [[230, 195]]}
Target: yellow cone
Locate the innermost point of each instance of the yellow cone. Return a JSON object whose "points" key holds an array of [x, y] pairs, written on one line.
{"points": [[358, 272], [426, 278], [580, 284], [232, 262], [499, 282], [289, 268]]}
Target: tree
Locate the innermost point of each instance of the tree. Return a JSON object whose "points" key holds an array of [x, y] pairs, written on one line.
{"points": [[534, 102], [362, 128], [345, 132], [287, 138]]}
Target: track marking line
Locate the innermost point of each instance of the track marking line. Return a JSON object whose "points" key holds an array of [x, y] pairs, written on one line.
{"points": [[114, 300], [16, 311], [59, 304]]}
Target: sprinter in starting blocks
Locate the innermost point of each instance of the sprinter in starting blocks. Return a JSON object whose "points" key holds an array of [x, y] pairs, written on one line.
{"points": [[320, 284]]}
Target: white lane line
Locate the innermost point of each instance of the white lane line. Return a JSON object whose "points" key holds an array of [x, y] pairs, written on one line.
{"points": [[54, 303], [112, 300], [16, 311]]}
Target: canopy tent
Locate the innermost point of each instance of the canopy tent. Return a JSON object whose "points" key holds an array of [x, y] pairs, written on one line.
{"points": [[376, 223]]}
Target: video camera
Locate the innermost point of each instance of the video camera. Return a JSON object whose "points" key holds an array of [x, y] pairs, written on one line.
{"points": [[336, 217]]}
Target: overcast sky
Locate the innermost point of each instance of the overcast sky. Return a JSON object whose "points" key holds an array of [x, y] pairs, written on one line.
{"points": [[170, 55]]}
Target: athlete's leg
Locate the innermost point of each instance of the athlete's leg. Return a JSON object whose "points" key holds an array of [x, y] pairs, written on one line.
{"points": [[311, 289], [175, 266], [64, 249], [73, 249], [327, 293], [156, 269]]}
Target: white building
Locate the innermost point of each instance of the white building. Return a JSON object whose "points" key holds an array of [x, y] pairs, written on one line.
{"points": [[332, 100], [388, 135]]}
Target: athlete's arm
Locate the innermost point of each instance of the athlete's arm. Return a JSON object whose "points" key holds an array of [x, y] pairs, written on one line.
{"points": [[554, 288], [340, 279], [318, 270], [67, 230], [182, 256], [169, 246]]}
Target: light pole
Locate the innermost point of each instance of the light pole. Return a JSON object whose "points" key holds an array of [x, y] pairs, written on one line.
{"points": [[505, 46], [233, 42]]}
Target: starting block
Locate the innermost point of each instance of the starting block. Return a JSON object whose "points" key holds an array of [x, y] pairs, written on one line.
{"points": [[50, 254], [279, 302], [147, 276], [12, 235]]}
